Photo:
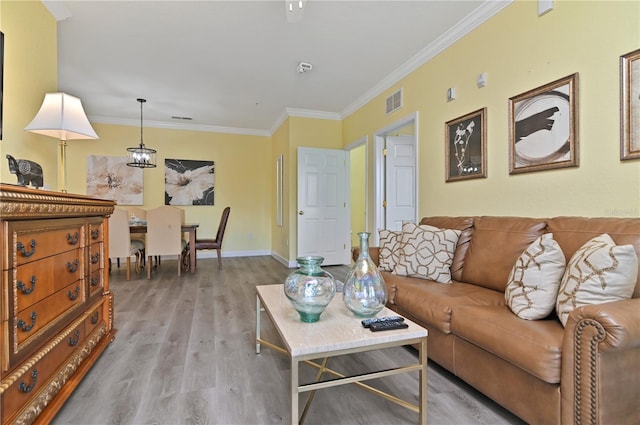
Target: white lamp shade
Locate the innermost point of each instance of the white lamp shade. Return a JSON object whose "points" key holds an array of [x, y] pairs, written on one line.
{"points": [[61, 116]]}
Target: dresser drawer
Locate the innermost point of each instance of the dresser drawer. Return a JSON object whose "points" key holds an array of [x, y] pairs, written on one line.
{"points": [[96, 282], [26, 386], [37, 280], [96, 257], [32, 322], [32, 241], [96, 229]]}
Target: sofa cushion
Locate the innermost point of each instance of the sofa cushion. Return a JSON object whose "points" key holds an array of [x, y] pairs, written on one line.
{"points": [[534, 346], [431, 302], [465, 225], [599, 272], [572, 232], [496, 244], [389, 249], [535, 278], [426, 252]]}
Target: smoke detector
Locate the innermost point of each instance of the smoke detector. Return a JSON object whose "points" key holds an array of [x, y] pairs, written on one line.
{"points": [[304, 67]]}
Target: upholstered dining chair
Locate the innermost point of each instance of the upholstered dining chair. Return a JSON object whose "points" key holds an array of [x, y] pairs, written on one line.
{"points": [[164, 235], [139, 214], [121, 245], [217, 242]]}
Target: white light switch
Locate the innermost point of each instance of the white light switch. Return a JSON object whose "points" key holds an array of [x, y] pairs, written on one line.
{"points": [[482, 80], [544, 6], [451, 94]]}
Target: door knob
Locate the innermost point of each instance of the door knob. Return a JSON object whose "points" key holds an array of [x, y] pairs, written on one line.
{"points": [[301, 212]]}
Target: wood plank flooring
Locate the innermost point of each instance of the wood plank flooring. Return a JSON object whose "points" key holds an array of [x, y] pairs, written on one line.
{"points": [[185, 354]]}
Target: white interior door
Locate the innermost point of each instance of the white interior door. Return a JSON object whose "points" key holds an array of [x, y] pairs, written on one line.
{"points": [[400, 181], [323, 214]]}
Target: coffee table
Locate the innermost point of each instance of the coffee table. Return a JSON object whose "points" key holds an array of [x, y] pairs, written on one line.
{"points": [[337, 332]]}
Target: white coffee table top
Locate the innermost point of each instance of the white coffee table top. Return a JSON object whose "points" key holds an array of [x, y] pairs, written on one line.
{"points": [[337, 330]]}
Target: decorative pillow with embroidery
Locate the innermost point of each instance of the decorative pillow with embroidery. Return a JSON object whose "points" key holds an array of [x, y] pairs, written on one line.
{"points": [[599, 272], [426, 252], [389, 250], [534, 280]]}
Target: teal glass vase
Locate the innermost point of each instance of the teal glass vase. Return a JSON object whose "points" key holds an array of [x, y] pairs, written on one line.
{"points": [[310, 288], [364, 292]]}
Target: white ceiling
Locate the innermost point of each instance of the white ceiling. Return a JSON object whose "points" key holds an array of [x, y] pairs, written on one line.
{"points": [[232, 65]]}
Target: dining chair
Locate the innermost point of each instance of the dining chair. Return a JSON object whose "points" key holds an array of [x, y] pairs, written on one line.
{"points": [[121, 245], [164, 235], [137, 213], [217, 242]]}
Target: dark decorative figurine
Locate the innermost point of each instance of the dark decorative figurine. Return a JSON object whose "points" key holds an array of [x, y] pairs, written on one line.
{"points": [[28, 172]]}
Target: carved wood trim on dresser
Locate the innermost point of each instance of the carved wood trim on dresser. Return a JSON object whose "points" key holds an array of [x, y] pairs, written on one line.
{"points": [[56, 310]]}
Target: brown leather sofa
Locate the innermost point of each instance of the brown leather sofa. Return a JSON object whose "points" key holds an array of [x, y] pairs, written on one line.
{"points": [[586, 372]]}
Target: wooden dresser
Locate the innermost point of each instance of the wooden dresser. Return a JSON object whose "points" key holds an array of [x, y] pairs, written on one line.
{"points": [[56, 309]]}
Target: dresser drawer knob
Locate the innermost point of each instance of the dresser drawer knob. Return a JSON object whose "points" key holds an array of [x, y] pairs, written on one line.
{"points": [[94, 317], [73, 239], [23, 250], [72, 267], [22, 325], [26, 388], [74, 341], [95, 234], [95, 259], [23, 288], [74, 295], [94, 280]]}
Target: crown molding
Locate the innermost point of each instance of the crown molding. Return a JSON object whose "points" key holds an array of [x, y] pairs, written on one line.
{"points": [[482, 13], [177, 126]]}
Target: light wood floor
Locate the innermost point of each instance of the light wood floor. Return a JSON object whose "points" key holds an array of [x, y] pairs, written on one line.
{"points": [[185, 354]]}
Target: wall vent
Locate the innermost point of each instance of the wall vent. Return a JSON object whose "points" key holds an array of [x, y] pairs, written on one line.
{"points": [[393, 102]]}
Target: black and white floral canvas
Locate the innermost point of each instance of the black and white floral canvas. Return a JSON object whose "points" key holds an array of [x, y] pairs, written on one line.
{"points": [[109, 177], [188, 182]]}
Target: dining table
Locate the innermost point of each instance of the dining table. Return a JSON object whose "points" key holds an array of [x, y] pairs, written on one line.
{"points": [[190, 228]]}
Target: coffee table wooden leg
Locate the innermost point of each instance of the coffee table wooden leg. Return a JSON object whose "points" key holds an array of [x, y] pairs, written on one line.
{"points": [[294, 391], [423, 382]]}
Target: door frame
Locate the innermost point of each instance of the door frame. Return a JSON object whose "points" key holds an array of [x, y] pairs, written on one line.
{"points": [[351, 146], [379, 178]]}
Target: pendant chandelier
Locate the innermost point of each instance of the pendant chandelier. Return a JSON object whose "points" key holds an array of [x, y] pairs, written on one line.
{"points": [[141, 156]]}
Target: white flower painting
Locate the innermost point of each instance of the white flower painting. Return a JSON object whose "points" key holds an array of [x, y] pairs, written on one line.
{"points": [[188, 182], [109, 177]]}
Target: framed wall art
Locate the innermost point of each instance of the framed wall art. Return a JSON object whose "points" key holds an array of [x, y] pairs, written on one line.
{"points": [[188, 182], [465, 139], [630, 105], [543, 127], [109, 177]]}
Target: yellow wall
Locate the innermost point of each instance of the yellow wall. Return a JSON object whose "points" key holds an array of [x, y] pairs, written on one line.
{"points": [[242, 177], [280, 235], [30, 71], [520, 51]]}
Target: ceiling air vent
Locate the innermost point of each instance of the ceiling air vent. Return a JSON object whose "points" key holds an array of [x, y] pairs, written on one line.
{"points": [[394, 102]]}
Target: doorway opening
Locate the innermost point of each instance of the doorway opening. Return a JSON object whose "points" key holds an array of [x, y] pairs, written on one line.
{"points": [[358, 187], [396, 170]]}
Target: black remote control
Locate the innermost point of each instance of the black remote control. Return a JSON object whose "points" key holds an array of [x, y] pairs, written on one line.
{"points": [[387, 326], [367, 322]]}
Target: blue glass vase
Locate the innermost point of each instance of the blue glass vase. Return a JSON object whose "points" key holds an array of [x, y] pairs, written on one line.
{"points": [[365, 292], [310, 288]]}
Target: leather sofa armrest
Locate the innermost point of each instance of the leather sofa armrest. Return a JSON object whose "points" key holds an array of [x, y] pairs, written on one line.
{"points": [[600, 382], [374, 253]]}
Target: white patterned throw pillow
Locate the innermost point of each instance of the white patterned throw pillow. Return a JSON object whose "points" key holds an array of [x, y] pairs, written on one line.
{"points": [[389, 250], [534, 280], [599, 272], [427, 252]]}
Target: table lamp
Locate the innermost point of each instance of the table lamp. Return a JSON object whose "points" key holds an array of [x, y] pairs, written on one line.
{"points": [[61, 116]]}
